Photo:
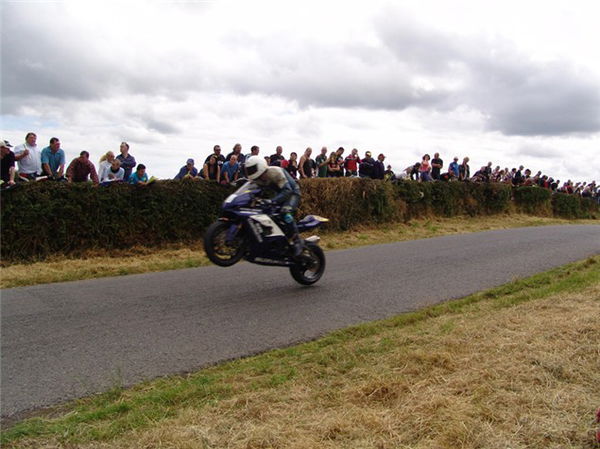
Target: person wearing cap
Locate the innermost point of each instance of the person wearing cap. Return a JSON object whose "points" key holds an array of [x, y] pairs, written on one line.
{"points": [[81, 168], [7, 163], [365, 168], [29, 158], [53, 160], [187, 171], [230, 171]]}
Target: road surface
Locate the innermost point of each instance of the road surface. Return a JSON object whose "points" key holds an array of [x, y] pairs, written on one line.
{"points": [[67, 340]]}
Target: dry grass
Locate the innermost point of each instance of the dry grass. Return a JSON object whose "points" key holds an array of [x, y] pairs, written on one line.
{"points": [[525, 376], [143, 260]]}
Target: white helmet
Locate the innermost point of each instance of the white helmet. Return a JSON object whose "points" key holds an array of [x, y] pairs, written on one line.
{"points": [[255, 166]]}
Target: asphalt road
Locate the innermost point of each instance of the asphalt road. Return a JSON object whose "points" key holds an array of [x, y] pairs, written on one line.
{"points": [[68, 340]]}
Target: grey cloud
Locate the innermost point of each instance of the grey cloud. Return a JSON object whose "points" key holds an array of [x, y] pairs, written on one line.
{"points": [[518, 95], [162, 126], [411, 66], [39, 59], [539, 152]]}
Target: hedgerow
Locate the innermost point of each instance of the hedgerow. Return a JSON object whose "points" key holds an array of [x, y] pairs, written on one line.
{"points": [[43, 219]]}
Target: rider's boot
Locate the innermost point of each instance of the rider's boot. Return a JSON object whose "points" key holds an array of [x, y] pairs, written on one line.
{"points": [[297, 246]]}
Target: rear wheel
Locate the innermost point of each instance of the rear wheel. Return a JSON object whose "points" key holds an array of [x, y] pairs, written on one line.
{"points": [[219, 251], [311, 266]]}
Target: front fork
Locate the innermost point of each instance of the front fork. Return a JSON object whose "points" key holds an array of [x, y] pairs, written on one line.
{"points": [[232, 232]]}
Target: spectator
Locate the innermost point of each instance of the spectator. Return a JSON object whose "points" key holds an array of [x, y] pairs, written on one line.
{"points": [[334, 170], [139, 177], [496, 174], [479, 175], [322, 160], [365, 168], [351, 163], [448, 176], [292, 165], [105, 163], [276, 158], [412, 172], [487, 172], [126, 159], [436, 166], [29, 158], [7, 163], [498, 177], [211, 169], [237, 150], [389, 175], [218, 155], [454, 167], [464, 171], [187, 171], [517, 178], [254, 150], [114, 173], [379, 168], [230, 170], [425, 169], [527, 179], [53, 160], [340, 155], [81, 168], [307, 166]]}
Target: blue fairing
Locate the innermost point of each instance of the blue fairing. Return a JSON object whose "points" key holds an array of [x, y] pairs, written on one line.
{"points": [[308, 222]]}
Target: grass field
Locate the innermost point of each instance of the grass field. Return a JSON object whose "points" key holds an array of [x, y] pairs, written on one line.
{"points": [[143, 260], [516, 366]]}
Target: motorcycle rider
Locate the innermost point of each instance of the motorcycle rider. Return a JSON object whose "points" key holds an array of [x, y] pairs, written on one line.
{"points": [[287, 195]]}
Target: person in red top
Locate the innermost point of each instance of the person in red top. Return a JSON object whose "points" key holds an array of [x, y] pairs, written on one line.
{"points": [[351, 163], [80, 168]]}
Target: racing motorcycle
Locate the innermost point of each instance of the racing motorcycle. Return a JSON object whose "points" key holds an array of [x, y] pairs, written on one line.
{"points": [[249, 229]]}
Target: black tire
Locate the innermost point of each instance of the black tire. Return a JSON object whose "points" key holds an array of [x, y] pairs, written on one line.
{"points": [[309, 273], [219, 252]]}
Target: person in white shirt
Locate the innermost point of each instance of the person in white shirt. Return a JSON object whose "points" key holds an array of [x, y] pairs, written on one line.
{"points": [[28, 156], [114, 173], [105, 164]]}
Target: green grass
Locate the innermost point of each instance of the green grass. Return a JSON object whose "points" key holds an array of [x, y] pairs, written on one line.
{"points": [[109, 415]]}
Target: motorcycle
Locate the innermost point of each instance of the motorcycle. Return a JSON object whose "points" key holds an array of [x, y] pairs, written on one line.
{"points": [[248, 228]]}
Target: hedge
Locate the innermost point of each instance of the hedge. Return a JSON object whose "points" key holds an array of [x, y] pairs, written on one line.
{"points": [[42, 219]]}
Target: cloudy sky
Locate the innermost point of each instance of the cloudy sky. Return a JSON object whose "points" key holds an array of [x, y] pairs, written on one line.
{"points": [[512, 82]]}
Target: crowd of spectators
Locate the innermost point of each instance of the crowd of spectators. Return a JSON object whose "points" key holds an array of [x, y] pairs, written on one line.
{"points": [[49, 164]]}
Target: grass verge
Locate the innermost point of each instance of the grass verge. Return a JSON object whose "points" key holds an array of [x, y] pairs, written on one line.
{"points": [[514, 366], [171, 257]]}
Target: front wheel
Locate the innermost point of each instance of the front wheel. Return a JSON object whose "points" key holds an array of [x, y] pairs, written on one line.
{"points": [[311, 266], [219, 251]]}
